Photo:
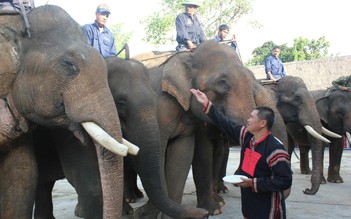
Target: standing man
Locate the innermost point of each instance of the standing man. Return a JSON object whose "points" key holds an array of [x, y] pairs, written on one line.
{"points": [[189, 31], [98, 35], [274, 66], [223, 32], [263, 160]]}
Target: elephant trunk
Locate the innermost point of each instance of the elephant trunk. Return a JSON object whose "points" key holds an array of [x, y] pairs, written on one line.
{"points": [[99, 108], [317, 152], [148, 168]]}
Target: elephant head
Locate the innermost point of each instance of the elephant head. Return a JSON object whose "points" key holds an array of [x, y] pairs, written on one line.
{"points": [[137, 105], [298, 109], [55, 79], [216, 70], [335, 112]]}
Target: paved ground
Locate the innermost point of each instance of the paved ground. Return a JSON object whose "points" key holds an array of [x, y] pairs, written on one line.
{"points": [[331, 201]]}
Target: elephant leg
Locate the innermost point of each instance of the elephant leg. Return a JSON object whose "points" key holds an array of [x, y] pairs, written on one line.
{"points": [[304, 161], [76, 159], [203, 171], [43, 201], [131, 190], [335, 153], [179, 156], [18, 182], [222, 153]]}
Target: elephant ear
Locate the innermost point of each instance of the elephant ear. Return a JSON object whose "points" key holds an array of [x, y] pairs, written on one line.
{"points": [[322, 105], [10, 50], [176, 79]]}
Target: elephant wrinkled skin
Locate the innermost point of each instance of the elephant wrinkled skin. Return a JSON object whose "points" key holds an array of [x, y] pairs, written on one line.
{"points": [[335, 113], [298, 109], [52, 79], [216, 70]]}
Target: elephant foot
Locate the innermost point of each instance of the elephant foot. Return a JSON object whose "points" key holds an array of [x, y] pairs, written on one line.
{"points": [[127, 209], [78, 211], [305, 171], [335, 178], [146, 211], [211, 205], [219, 199], [323, 180], [221, 188], [139, 193], [133, 196]]}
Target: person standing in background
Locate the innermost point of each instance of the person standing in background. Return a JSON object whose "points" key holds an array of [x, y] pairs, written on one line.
{"points": [[98, 35]]}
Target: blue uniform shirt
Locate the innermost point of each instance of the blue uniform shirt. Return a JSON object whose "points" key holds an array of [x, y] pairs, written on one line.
{"points": [[218, 39], [102, 42], [189, 28], [275, 66]]}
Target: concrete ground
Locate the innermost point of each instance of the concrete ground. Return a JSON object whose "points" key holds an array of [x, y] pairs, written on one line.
{"points": [[331, 201]]}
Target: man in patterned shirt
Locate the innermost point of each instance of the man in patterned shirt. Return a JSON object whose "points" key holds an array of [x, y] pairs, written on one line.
{"points": [[263, 160]]}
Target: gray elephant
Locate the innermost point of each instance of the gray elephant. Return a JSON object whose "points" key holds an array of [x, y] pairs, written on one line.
{"points": [[298, 109], [137, 109], [216, 70], [52, 79], [335, 113]]}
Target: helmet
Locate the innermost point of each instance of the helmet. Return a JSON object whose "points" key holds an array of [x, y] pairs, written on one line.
{"points": [[194, 2]]}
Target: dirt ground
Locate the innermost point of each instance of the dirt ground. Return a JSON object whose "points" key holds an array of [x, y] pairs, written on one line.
{"points": [[331, 201]]}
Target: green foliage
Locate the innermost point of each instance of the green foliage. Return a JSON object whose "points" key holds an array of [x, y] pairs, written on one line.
{"points": [[160, 27], [303, 49], [121, 37]]}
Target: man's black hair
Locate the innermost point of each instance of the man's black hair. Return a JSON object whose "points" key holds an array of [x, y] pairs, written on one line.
{"points": [[266, 113], [223, 27]]}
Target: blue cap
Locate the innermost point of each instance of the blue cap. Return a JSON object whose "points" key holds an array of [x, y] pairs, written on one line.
{"points": [[102, 8]]}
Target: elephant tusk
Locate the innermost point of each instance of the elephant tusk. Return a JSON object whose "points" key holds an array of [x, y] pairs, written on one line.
{"points": [[104, 139], [348, 136], [330, 133], [315, 134], [132, 148]]}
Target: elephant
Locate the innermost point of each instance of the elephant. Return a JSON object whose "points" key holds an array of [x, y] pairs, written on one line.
{"points": [[335, 113], [136, 102], [298, 109], [51, 79], [216, 70]]}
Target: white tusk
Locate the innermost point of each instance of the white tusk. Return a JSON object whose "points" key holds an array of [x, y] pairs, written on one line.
{"points": [[104, 139], [132, 148], [348, 136], [330, 133], [315, 134]]}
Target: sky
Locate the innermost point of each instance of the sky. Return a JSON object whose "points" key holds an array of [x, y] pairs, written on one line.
{"points": [[281, 21]]}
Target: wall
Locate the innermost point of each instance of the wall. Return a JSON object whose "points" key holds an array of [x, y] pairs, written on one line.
{"points": [[317, 74]]}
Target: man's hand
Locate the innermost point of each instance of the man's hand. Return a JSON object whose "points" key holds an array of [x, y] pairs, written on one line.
{"points": [[200, 96], [247, 182], [343, 88]]}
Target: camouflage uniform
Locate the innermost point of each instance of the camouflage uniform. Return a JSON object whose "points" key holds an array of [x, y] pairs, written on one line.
{"points": [[344, 81]]}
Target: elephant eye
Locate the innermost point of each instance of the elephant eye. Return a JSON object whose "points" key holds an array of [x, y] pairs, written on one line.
{"points": [[222, 86], [121, 108], [69, 67]]}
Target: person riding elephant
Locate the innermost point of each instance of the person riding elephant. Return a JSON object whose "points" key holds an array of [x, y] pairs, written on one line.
{"points": [[178, 112], [298, 109], [335, 113], [51, 80]]}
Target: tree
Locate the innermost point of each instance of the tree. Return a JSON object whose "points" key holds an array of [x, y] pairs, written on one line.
{"points": [[303, 49], [121, 37], [160, 27]]}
